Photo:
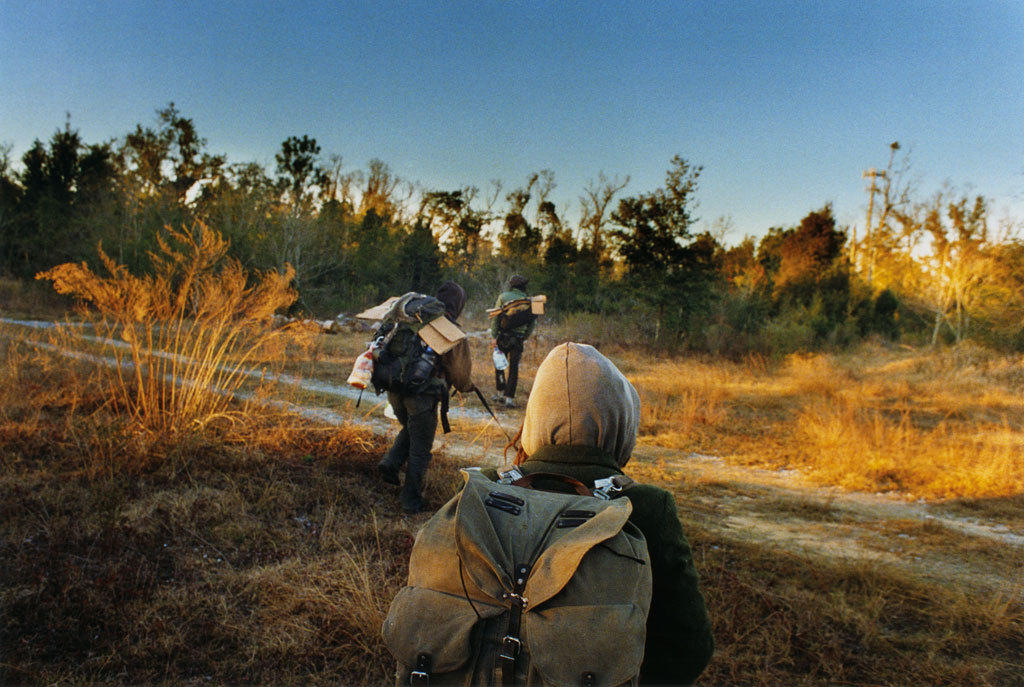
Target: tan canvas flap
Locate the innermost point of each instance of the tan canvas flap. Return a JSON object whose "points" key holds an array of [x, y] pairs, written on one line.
{"points": [[490, 542], [537, 304], [558, 563], [434, 557], [478, 544]]}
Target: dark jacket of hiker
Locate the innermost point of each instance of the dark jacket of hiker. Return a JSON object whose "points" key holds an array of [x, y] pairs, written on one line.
{"points": [[417, 413], [513, 292], [581, 420]]}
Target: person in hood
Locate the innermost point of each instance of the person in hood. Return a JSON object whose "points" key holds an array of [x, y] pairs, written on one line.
{"points": [[417, 412], [581, 421], [509, 337]]}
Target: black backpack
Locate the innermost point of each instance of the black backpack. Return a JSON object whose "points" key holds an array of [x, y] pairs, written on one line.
{"points": [[402, 362], [515, 314]]}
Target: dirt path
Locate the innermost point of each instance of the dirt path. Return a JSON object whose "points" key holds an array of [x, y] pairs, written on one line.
{"points": [[747, 504], [784, 507]]}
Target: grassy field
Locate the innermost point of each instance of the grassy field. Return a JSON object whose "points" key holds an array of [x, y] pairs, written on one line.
{"points": [[936, 425], [258, 548]]}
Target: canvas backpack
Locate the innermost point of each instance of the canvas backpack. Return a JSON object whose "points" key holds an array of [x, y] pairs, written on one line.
{"points": [[515, 314], [402, 362], [513, 585]]}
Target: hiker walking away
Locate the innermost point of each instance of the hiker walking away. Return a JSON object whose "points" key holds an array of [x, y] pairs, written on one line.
{"points": [[417, 410], [509, 330], [581, 421]]}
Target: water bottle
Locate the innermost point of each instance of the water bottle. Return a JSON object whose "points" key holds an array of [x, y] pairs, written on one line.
{"points": [[500, 361], [423, 367]]}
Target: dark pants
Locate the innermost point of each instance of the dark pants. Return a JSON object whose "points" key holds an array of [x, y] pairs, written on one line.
{"points": [[418, 416], [507, 380]]}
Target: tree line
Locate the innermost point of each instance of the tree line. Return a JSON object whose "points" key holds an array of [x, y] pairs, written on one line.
{"points": [[928, 270]]}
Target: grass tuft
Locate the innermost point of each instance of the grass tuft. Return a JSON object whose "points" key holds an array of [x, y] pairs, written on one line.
{"points": [[185, 337]]}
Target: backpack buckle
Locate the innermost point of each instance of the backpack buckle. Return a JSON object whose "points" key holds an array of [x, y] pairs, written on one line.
{"points": [[510, 647], [510, 476], [604, 488], [518, 599], [420, 675]]}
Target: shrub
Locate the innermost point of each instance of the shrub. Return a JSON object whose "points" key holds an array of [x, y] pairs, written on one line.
{"points": [[184, 338]]}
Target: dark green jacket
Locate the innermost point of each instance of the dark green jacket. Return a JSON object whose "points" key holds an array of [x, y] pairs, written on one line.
{"points": [[679, 640], [522, 332]]}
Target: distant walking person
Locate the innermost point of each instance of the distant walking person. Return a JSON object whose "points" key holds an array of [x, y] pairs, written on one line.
{"points": [[509, 330], [415, 398]]}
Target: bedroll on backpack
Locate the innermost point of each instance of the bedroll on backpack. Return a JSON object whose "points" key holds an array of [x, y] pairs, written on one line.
{"points": [[515, 314], [402, 361], [510, 585]]}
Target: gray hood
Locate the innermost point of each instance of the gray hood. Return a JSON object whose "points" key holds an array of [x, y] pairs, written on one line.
{"points": [[580, 398]]}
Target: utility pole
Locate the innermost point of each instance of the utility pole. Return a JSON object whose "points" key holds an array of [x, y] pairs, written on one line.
{"points": [[869, 234]]}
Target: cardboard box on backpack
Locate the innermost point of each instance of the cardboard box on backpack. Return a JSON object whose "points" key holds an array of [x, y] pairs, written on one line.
{"points": [[536, 305], [440, 334], [377, 312]]}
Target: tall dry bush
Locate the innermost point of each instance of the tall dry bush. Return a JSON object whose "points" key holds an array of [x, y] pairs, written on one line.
{"points": [[186, 337]]}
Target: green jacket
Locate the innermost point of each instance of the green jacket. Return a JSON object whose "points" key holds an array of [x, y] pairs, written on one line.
{"points": [[524, 331], [679, 640]]}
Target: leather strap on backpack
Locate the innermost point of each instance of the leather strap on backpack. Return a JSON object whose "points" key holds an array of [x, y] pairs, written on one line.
{"points": [[577, 486], [511, 644], [603, 488], [445, 425]]}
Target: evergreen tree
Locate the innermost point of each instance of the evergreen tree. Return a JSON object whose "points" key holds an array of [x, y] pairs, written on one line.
{"points": [[300, 174], [667, 268], [420, 260]]}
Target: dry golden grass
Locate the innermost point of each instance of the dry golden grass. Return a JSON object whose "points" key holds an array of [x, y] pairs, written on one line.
{"points": [[928, 424], [266, 550], [262, 550], [256, 548], [195, 327], [782, 619]]}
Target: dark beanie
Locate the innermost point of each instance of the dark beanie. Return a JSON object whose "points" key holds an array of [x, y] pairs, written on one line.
{"points": [[454, 298], [517, 281]]}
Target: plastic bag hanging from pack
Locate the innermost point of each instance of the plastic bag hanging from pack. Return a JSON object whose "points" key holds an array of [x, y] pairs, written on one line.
{"points": [[500, 361], [362, 370]]}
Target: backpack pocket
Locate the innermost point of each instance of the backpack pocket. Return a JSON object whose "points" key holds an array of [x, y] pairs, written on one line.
{"points": [[387, 373], [425, 621], [605, 640]]}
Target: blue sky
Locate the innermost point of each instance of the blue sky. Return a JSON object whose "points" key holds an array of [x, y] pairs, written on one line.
{"points": [[783, 103]]}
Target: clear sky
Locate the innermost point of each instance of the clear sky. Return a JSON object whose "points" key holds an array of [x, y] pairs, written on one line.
{"points": [[783, 103]]}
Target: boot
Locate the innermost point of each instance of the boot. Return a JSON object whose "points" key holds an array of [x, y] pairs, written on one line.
{"points": [[388, 474]]}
